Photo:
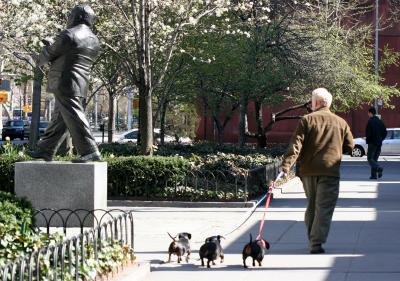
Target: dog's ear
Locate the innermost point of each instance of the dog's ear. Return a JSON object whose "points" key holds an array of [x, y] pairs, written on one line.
{"points": [[266, 244], [189, 236]]}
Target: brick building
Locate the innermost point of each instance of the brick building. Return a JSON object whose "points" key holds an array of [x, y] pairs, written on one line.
{"points": [[357, 119]]}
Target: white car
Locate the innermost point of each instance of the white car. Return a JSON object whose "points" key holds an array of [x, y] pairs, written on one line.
{"points": [[131, 136], [390, 146]]}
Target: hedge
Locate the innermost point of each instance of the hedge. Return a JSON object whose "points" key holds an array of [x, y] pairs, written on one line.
{"points": [[145, 177], [199, 149], [202, 176]]}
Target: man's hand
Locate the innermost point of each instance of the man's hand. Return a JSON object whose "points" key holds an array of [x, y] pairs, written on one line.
{"points": [[282, 173]]}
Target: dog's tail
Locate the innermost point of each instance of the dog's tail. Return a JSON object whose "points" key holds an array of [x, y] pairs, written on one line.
{"points": [[173, 238], [251, 238]]}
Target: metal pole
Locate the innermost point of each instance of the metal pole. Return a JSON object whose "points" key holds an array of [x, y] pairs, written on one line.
{"points": [[95, 111], [20, 107], [376, 60], [117, 101], [130, 95]]}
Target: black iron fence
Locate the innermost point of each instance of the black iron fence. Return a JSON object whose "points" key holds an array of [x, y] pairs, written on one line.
{"points": [[201, 185], [75, 257]]}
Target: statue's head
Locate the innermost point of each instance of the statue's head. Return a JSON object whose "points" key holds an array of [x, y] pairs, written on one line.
{"points": [[81, 14]]}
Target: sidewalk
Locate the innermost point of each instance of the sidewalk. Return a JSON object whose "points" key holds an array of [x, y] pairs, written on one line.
{"points": [[363, 243]]}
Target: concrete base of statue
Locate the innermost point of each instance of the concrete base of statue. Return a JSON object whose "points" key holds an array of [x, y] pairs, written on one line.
{"points": [[63, 185]]}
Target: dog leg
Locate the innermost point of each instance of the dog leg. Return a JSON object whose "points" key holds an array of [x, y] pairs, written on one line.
{"points": [[208, 264], [202, 262], [260, 263], [169, 258], [187, 257], [179, 259], [244, 262], [254, 262], [222, 258]]}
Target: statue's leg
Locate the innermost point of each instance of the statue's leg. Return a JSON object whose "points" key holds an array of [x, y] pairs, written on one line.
{"points": [[75, 119], [55, 133]]}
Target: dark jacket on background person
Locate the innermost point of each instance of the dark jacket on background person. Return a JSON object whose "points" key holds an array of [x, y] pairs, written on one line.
{"points": [[376, 131], [320, 140], [71, 56]]}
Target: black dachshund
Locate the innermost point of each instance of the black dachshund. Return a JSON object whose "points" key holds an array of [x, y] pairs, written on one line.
{"points": [[211, 250], [255, 249]]}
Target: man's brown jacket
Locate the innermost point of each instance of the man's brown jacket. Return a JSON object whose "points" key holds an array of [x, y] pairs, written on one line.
{"points": [[320, 140]]}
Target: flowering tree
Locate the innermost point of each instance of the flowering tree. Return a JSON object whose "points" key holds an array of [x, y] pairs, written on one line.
{"points": [[145, 33]]}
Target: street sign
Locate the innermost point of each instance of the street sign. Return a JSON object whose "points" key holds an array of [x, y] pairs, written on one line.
{"points": [[27, 108], [5, 85], [3, 97]]}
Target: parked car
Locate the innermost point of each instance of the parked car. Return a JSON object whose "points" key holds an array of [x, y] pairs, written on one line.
{"points": [[13, 129], [131, 136], [390, 146], [42, 127]]}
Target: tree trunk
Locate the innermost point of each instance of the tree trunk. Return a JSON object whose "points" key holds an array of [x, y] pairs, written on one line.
{"points": [[221, 133], [111, 117], [243, 120], [145, 82], [37, 90], [261, 137], [163, 114]]}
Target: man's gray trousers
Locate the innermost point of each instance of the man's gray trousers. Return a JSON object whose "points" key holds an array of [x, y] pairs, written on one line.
{"points": [[322, 193]]}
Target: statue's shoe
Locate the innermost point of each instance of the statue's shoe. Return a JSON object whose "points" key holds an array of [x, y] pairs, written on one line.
{"points": [[37, 154], [91, 157]]}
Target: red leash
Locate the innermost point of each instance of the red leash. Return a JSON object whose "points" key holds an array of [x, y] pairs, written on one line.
{"points": [[267, 201]]}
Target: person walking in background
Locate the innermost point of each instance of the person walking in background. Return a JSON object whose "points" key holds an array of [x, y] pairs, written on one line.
{"points": [[375, 134], [318, 143]]}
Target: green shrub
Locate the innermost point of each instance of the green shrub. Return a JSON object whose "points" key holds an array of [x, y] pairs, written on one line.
{"points": [[142, 176], [17, 237], [116, 149], [7, 166], [200, 149], [196, 172], [16, 224]]}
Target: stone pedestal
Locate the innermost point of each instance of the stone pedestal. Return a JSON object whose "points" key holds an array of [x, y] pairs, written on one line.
{"points": [[63, 185]]}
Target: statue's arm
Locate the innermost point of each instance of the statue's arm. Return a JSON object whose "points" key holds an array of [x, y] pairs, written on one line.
{"points": [[53, 51]]}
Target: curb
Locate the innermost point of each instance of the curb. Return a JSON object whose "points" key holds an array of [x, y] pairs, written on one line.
{"points": [[179, 204], [137, 272]]}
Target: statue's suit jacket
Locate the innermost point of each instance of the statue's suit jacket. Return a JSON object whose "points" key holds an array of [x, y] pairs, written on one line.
{"points": [[71, 57]]}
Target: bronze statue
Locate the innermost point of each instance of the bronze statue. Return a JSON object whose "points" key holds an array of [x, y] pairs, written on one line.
{"points": [[71, 57]]}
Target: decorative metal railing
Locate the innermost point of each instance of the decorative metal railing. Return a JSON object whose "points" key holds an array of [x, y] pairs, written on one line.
{"points": [[201, 185], [73, 257]]}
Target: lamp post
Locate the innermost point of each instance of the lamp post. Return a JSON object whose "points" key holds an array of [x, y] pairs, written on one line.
{"points": [[376, 50]]}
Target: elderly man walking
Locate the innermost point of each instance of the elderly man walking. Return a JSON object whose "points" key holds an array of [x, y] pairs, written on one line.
{"points": [[320, 140]]}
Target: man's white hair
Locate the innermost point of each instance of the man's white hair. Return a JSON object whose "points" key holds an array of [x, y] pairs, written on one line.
{"points": [[322, 95]]}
